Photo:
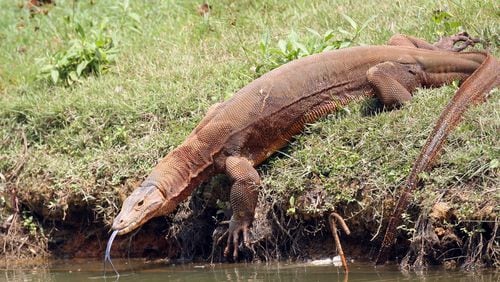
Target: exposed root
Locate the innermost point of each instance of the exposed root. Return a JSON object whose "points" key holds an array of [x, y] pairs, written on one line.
{"points": [[20, 237], [333, 218], [436, 243], [422, 244], [493, 246], [190, 230], [480, 251], [19, 243]]}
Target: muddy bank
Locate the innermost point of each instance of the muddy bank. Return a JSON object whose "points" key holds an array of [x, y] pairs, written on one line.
{"points": [[437, 237]]}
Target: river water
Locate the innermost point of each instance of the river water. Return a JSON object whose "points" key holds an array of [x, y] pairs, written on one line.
{"points": [[138, 270]]}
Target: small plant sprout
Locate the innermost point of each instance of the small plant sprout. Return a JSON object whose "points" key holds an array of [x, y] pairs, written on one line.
{"points": [[90, 53]]}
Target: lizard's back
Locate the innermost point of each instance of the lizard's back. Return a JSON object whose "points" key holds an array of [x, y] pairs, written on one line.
{"points": [[261, 117]]}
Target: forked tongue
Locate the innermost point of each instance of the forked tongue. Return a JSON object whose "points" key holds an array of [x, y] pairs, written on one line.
{"points": [[107, 256]]}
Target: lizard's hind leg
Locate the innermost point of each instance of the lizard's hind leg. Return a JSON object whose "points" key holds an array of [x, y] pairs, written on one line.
{"points": [[444, 44], [394, 82], [450, 43]]}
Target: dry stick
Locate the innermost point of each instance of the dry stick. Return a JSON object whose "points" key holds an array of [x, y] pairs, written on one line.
{"points": [[473, 91], [333, 227], [491, 242], [10, 235]]}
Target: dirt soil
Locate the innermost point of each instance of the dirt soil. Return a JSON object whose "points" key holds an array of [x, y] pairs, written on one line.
{"points": [[189, 235]]}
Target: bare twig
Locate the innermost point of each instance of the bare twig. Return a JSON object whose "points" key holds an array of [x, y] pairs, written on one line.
{"points": [[333, 225]]}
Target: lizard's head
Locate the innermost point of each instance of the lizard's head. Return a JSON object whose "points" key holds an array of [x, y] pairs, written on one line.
{"points": [[144, 203]]}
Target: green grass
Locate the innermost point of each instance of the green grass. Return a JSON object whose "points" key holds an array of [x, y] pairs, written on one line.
{"points": [[90, 143]]}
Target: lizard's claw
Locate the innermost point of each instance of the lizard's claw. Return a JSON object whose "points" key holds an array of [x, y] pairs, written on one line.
{"points": [[235, 228], [448, 43]]}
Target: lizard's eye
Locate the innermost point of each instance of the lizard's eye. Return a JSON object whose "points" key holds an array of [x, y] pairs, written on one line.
{"points": [[140, 203]]}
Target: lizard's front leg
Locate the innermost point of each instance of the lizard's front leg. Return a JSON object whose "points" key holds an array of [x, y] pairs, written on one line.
{"points": [[243, 198]]}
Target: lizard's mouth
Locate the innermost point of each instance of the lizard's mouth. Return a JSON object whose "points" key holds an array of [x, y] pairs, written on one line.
{"points": [[124, 225], [142, 205], [126, 229]]}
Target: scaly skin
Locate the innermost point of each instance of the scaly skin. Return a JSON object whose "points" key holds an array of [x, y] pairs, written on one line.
{"points": [[237, 135]]}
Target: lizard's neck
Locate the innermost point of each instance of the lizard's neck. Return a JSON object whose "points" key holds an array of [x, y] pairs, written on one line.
{"points": [[180, 172]]}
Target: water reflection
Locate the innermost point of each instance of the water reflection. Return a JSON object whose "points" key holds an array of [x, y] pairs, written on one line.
{"points": [[138, 270]]}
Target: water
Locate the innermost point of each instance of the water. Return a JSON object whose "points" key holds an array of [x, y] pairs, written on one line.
{"points": [[138, 270]]}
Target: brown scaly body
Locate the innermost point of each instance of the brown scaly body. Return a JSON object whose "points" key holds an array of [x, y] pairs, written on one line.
{"points": [[239, 134]]}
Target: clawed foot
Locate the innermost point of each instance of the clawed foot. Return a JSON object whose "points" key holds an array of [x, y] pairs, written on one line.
{"points": [[448, 43], [235, 228]]}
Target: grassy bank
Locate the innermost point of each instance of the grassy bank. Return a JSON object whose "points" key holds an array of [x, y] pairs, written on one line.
{"points": [[75, 148]]}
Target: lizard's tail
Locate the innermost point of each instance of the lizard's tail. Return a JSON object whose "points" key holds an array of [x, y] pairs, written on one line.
{"points": [[473, 91]]}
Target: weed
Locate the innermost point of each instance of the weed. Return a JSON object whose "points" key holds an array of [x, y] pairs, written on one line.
{"points": [[29, 223], [293, 48], [445, 23], [125, 16], [88, 54], [405, 227]]}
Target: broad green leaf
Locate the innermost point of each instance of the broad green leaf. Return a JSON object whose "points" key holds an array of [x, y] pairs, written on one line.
{"points": [[81, 66], [46, 68], [351, 21], [73, 76], [54, 74], [328, 35], [439, 16], [100, 42]]}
